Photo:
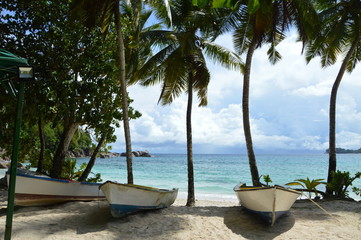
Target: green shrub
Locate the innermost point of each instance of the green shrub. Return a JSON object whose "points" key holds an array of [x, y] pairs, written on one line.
{"points": [[267, 179], [70, 171], [356, 190], [309, 185], [340, 182]]}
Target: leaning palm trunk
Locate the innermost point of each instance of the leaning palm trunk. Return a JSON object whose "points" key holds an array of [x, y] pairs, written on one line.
{"points": [[92, 160], [121, 61], [332, 137], [191, 197], [245, 112]]}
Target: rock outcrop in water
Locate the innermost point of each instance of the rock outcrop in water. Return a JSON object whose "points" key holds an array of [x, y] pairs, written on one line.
{"points": [[138, 154], [109, 155]]}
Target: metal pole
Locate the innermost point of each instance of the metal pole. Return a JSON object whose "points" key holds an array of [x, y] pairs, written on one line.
{"points": [[14, 163]]}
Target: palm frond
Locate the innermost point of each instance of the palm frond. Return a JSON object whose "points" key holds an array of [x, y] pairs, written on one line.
{"points": [[221, 55], [159, 38], [108, 11], [242, 37], [152, 65], [305, 18], [175, 79], [200, 77], [273, 55], [355, 58]]}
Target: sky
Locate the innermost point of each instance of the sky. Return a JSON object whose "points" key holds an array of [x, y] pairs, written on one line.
{"points": [[289, 105]]}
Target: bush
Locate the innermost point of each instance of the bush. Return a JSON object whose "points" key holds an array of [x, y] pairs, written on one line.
{"points": [[340, 182], [309, 185], [70, 171]]}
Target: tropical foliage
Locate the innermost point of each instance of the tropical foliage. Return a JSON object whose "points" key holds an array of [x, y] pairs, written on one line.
{"points": [[267, 179], [307, 184], [86, 53], [71, 171], [75, 88], [340, 183]]}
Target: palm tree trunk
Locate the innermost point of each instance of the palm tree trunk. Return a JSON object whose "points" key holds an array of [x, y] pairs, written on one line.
{"points": [[121, 61], [92, 160], [137, 8], [42, 145], [332, 131], [191, 197], [245, 112]]}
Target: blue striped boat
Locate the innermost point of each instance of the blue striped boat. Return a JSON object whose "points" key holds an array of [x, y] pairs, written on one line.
{"points": [[126, 199], [34, 190]]}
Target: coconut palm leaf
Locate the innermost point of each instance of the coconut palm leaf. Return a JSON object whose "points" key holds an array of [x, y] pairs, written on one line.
{"points": [[221, 55]]}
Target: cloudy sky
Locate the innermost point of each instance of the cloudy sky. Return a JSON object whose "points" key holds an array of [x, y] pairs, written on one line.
{"points": [[289, 105]]}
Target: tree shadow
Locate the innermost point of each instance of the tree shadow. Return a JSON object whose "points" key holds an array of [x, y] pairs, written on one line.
{"points": [[82, 218], [250, 226], [325, 209]]}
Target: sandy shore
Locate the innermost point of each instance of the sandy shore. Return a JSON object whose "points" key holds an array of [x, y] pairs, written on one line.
{"points": [[208, 220]]}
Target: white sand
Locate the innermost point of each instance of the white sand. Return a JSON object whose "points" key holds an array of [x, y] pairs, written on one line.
{"points": [[208, 220]]}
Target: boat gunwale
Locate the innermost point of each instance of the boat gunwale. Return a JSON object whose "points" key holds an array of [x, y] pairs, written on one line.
{"points": [[52, 179], [252, 188], [145, 188]]}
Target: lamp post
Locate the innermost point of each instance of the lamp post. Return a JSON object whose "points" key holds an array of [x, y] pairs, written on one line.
{"points": [[25, 74]]}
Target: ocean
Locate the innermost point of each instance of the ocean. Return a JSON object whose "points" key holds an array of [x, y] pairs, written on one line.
{"points": [[216, 174]]}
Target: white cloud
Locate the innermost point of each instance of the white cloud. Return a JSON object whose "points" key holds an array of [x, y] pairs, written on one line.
{"points": [[314, 143], [289, 105], [319, 89], [349, 140]]}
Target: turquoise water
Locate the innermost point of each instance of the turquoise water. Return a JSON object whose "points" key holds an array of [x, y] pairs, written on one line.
{"points": [[216, 175]]}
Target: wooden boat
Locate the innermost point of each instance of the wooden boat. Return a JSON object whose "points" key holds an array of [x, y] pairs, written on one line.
{"points": [[125, 199], [270, 203], [33, 190]]}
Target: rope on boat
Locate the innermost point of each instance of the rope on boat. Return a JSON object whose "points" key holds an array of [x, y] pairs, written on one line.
{"points": [[320, 207]]}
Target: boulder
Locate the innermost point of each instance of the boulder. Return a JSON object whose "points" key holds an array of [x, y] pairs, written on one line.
{"points": [[104, 155], [138, 154]]}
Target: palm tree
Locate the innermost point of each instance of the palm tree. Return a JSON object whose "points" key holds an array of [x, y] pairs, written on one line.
{"points": [[265, 23], [180, 65], [340, 33], [137, 52], [104, 13]]}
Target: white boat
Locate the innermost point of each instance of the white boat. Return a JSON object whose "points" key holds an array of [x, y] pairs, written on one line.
{"points": [[33, 190], [268, 202], [125, 199]]}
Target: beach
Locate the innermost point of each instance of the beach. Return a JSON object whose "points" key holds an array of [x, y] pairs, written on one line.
{"points": [[207, 220]]}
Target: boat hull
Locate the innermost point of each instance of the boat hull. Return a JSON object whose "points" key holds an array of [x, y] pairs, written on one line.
{"points": [[126, 199], [269, 203], [31, 190]]}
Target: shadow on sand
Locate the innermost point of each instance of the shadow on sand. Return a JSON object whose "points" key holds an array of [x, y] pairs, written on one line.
{"points": [[250, 226]]}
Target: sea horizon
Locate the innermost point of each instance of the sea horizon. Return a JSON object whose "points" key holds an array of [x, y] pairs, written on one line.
{"points": [[215, 175]]}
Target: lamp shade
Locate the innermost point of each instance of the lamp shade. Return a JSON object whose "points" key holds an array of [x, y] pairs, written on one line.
{"points": [[26, 73]]}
